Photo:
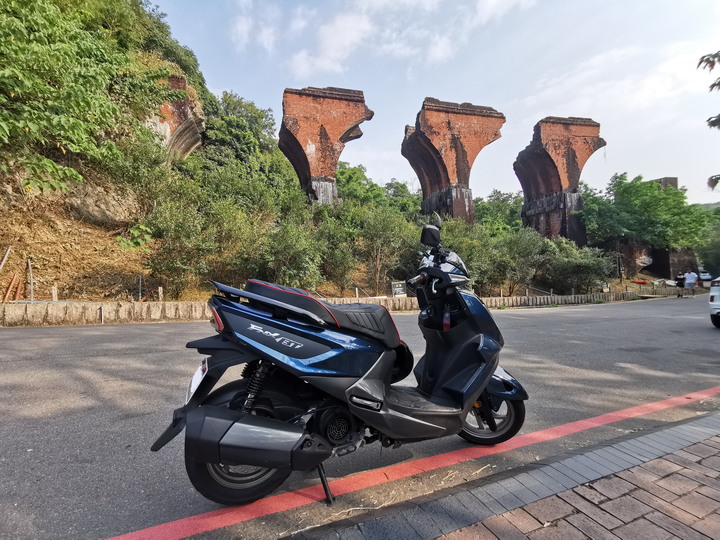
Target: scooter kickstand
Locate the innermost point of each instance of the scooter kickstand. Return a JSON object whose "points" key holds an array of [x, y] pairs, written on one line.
{"points": [[329, 497]]}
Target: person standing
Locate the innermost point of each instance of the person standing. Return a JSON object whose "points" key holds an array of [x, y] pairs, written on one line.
{"points": [[680, 283], [691, 281]]}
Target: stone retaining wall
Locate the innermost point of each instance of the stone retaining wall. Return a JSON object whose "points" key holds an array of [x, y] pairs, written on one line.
{"points": [[71, 313]]}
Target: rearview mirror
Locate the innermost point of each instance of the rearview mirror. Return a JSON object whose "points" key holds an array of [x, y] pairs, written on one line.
{"points": [[430, 236], [436, 220]]}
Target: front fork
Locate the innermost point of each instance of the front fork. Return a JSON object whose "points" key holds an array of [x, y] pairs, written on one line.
{"points": [[484, 410], [502, 387]]}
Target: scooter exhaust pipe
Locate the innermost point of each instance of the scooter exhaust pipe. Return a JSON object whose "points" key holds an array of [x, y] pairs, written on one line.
{"points": [[221, 435]]}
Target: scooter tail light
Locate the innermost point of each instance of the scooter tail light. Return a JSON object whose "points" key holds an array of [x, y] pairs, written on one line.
{"points": [[216, 321]]}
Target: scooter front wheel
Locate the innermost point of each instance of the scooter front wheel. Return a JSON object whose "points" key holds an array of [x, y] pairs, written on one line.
{"points": [[509, 418]]}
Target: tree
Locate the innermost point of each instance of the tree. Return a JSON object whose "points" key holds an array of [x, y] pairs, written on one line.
{"points": [[709, 253], [337, 235], [475, 245], [384, 236], [353, 184], [259, 121], [571, 268], [643, 212], [53, 93], [399, 196], [500, 211], [521, 253], [709, 61]]}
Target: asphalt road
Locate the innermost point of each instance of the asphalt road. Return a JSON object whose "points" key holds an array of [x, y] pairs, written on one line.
{"points": [[80, 407]]}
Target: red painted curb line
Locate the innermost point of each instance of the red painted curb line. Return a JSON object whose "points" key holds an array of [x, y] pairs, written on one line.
{"points": [[224, 517]]}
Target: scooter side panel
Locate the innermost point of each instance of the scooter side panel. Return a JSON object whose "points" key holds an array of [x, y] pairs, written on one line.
{"points": [[398, 412], [302, 349], [489, 356], [484, 320]]}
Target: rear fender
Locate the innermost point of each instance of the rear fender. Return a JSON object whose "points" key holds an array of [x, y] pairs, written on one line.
{"points": [[222, 355]]}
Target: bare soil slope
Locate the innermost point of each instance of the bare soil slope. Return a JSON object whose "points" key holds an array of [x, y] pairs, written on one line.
{"points": [[84, 261]]}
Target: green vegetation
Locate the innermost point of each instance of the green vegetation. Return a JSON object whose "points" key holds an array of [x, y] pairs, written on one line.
{"points": [[709, 61], [68, 92], [642, 212], [138, 237], [709, 251], [78, 79], [500, 211], [638, 213]]}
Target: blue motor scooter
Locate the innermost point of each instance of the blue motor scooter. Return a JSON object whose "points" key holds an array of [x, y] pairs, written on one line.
{"points": [[319, 380]]}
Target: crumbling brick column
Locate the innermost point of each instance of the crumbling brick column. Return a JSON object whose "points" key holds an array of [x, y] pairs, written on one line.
{"points": [[316, 124], [180, 123], [549, 171], [442, 147]]}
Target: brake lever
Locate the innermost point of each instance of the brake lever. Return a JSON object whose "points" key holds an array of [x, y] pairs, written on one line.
{"points": [[432, 286]]}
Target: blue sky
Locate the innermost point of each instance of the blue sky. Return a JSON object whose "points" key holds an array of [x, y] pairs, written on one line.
{"points": [[629, 65]]}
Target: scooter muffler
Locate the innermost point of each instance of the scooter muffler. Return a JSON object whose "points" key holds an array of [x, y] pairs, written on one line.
{"points": [[221, 435]]}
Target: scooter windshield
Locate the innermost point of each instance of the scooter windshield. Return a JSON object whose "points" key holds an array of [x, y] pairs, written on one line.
{"points": [[453, 264]]}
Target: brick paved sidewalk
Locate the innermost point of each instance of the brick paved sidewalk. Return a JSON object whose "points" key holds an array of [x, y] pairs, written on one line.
{"points": [[658, 485], [677, 496]]}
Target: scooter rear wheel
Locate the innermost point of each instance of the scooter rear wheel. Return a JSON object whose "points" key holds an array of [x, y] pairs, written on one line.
{"points": [[237, 484], [509, 418]]}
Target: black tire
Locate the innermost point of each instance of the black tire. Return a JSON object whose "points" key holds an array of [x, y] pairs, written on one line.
{"points": [[509, 418], [715, 319], [240, 484]]}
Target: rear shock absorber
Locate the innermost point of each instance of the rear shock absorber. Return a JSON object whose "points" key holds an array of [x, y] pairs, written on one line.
{"points": [[255, 385]]}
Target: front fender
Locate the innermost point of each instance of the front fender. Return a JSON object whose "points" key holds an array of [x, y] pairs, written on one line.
{"points": [[503, 386]]}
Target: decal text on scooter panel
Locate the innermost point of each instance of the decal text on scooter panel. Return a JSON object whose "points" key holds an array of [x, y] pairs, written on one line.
{"points": [[276, 336]]}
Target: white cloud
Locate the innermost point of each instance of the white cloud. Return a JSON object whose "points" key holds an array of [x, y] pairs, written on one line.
{"points": [[240, 31], [487, 10], [269, 19], [400, 41], [336, 41], [266, 37], [300, 19], [622, 80], [399, 49], [414, 31], [256, 25], [244, 5], [440, 49], [375, 6]]}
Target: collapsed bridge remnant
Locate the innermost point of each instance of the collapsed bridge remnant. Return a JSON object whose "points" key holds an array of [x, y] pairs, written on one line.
{"points": [[179, 123], [316, 124], [549, 171], [441, 148]]}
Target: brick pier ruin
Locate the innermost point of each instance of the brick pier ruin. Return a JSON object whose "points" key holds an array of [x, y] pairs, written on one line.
{"points": [[180, 123], [316, 124], [549, 171], [441, 148]]}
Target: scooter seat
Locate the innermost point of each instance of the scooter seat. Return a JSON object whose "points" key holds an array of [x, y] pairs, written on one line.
{"points": [[370, 320]]}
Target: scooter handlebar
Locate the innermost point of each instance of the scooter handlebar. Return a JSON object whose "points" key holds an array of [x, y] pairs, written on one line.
{"points": [[417, 280]]}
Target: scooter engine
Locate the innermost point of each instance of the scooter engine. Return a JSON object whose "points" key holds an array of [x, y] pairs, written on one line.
{"points": [[337, 426]]}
